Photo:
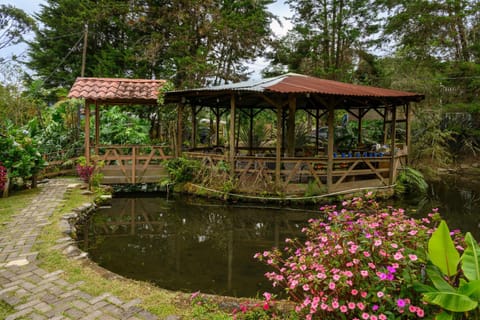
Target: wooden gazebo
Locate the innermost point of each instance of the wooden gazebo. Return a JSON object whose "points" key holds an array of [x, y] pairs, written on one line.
{"points": [[121, 163], [286, 95]]}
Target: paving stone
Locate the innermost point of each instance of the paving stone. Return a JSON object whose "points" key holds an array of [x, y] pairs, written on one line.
{"points": [[74, 313], [80, 304], [93, 315], [28, 304], [19, 314]]}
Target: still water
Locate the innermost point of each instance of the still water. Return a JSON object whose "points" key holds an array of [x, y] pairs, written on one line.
{"points": [[188, 244]]}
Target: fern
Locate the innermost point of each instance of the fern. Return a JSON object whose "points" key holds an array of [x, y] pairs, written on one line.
{"points": [[411, 181]]}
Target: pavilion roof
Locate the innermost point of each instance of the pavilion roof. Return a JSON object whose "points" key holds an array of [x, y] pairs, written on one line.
{"points": [[313, 91], [117, 90]]}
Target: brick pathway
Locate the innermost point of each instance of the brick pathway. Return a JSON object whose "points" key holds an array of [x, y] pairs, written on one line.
{"points": [[38, 294]]}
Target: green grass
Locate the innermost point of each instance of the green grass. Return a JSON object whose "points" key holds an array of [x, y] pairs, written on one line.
{"points": [[14, 204]]}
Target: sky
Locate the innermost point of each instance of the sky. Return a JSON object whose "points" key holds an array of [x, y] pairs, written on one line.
{"points": [[279, 8]]}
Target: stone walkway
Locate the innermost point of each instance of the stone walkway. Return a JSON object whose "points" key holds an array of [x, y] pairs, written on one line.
{"points": [[37, 294]]}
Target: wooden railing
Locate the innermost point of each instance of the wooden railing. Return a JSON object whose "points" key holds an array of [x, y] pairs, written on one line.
{"points": [[131, 163], [347, 173]]}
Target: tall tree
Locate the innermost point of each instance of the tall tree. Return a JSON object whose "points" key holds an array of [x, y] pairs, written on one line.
{"points": [[14, 24], [444, 29], [192, 42], [327, 36]]}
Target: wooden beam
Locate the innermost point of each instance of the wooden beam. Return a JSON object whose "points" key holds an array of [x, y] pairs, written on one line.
{"points": [[232, 133], [292, 108], [393, 135], [178, 148], [407, 130], [87, 131], [97, 127], [278, 153], [331, 138], [194, 126]]}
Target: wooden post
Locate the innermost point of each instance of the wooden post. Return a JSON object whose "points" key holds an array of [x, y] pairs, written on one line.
{"points": [[331, 139], [134, 164], [232, 133], [178, 148], [278, 153], [317, 128], [292, 107], [6, 187], [217, 129], [360, 117], [194, 127], [407, 130], [97, 127], [87, 131], [250, 134], [393, 134]]}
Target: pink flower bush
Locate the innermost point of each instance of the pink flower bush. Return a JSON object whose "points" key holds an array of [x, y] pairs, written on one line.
{"points": [[3, 176], [359, 262]]}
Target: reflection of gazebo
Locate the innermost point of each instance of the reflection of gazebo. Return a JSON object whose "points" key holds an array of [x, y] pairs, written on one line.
{"points": [[286, 95]]}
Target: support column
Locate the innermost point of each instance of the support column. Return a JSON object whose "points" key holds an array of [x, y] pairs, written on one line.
{"points": [[278, 153], [407, 130], [360, 118], [317, 129], [250, 133], [178, 148], [393, 134], [232, 133], [97, 127], [292, 108], [331, 139], [87, 131], [194, 126]]}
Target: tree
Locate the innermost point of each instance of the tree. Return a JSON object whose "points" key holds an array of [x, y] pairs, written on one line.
{"points": [[192, 42], [327, 37], [445, 29], [14, 24]]}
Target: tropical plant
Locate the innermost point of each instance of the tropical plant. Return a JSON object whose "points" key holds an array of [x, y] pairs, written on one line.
{"points": [[456, 290], [360, 262], [19, 154], [182, 169], [410, 181], [3, 177]]}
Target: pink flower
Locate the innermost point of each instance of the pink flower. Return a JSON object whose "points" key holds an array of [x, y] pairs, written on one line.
{"points": [[364, 273], [344, 309], [394, 245], [401, 303], [336, 277], [363, 294], [413, 257], [365, 316], [377, 243], [420, 313], [354, 292], [360, 305], [351, 305], [266, 306], [382, 317], [398, 256], [331, 285], [371, 265], [267, 295], [335, 304], [373, 317], [306, 287], [380, 294], [412, 308], [366, 254]]}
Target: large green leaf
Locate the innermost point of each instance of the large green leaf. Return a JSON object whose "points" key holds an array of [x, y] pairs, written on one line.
{"points": [[471, 258], [471, 289], [451, 301], [437, 278], [444, 316], [442, 252]]}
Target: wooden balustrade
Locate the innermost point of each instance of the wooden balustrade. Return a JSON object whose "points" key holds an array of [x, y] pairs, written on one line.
{"points": [[132, 163]]}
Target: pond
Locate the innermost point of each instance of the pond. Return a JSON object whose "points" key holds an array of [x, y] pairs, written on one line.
{"points": [[188, 244]]}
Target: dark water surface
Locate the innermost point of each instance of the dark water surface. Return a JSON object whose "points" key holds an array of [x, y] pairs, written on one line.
{"points": [[189, 244]]}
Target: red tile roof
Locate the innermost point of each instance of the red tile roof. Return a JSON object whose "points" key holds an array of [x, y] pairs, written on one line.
{"points": [[112, 91]]}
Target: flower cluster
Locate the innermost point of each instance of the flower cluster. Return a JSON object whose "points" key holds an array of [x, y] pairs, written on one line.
{"points": [[3, 176], [358, 263], [85, 172]]}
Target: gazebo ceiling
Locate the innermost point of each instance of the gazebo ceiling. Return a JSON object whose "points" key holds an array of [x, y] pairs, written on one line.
{"points": [[310, 92], [112, 91]]}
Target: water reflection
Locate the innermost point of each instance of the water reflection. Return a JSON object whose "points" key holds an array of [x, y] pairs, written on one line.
{"points": [[184, 244], [188, 246]]}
